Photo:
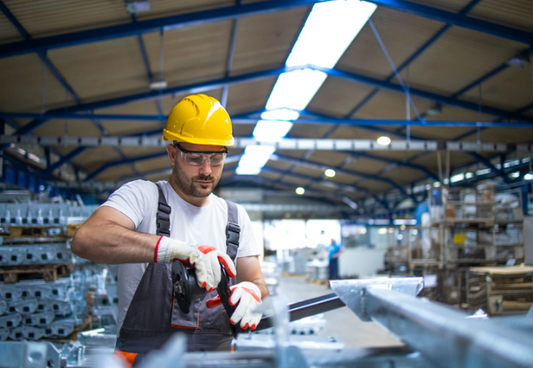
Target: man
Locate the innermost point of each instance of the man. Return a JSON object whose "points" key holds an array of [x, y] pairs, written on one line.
{"points": [[122, 231], [334, 251]]}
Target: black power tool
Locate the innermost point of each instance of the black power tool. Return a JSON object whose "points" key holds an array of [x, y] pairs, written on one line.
{"points": [[186, 291]]}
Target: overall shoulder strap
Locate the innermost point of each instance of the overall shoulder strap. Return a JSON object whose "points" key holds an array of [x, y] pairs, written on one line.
{"points": [[163, 214], [233, 231]]}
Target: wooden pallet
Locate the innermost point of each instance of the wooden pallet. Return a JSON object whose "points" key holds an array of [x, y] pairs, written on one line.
{"points": [[26, 231], [45, 272]]}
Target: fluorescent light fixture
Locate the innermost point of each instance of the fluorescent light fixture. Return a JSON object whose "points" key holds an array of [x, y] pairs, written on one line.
{"points": [[528, 177], [241, 170], [137, 6], [295, 89], [157, 85], [300, 191], [271, 130], [330, 173], [483, 171], [328, 31], [469, 175], [515, 174], [436, 184], [457, 177], [254, 158], [383, 140], [280, 114]]}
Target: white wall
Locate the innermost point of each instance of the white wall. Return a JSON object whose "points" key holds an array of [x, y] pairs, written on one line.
{"points": [[361, 261]]}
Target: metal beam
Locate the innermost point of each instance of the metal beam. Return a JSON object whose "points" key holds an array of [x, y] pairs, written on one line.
{"points": [[123, 162], [489, 165], [459, 20], [423, 94], [152, 25], [339, 170], [364, 123], [460, 342]]}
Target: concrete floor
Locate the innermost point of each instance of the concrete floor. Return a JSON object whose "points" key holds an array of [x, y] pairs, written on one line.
{"points": [[342, 323]]}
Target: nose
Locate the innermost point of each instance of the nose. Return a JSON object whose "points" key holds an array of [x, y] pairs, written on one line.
{"points": [[205, 167]]}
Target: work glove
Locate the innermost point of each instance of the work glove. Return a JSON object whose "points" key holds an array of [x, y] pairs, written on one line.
{"points": [[248, 296], [205, 260]]}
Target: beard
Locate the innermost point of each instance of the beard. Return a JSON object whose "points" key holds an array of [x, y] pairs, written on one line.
{"points": [[191, 185]]}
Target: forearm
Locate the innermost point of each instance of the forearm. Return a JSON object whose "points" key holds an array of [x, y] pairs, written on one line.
{"points": [[110, 243]]}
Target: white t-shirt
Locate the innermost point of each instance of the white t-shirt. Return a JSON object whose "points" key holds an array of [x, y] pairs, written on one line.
{"points": [[205, 225]]}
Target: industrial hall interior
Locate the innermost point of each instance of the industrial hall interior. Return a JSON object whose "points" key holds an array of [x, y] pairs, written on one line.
{"points": [[266, 183]]}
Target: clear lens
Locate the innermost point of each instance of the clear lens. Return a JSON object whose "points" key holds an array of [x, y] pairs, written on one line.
{"points": [[196, 159]]}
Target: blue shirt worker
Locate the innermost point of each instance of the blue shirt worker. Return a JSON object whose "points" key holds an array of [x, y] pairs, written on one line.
{"points": [[334, 251]]}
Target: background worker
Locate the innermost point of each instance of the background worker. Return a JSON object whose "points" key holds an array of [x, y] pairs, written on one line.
{"points": [[122, 231], [334, 251]]}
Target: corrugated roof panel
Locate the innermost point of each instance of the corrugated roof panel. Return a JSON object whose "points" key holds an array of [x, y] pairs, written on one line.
{"points": [[155, 164], [504, 135], [454, 6], [509, 90], [349, 132], [345, 179], [49, 17], [338, 96], [431, 160], [102, 70], [190, 54], [364, 165], [310, 131], [392, 105], [328, 158], [458, 58], [94, 158], [512, 13], [75, 128], [128, 127], [116, 172], [307, 171], [249, 96], [374, 186], [265, 41], [166, 8], [8, 32], [22, 86], [403, 175], [403, 34]]}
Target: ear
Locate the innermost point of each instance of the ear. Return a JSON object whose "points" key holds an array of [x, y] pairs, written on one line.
{"points": [[171, 150]]}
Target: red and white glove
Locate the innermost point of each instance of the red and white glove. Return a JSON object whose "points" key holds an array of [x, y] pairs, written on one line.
{"points": [[248, 296], [204, 258]]}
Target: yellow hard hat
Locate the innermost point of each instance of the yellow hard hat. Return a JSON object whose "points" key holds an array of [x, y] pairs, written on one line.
{"points": [[199, 119]]}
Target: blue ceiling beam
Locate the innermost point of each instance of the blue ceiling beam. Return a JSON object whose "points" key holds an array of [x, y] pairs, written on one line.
{"points": [[485, 161], [123, 162], [63, 160], [345, 172], [481, 79], [403, 163], [423, 94], [459, 20], [151, 25], [151, 95], [219, 83], [315, 180], [413, 57]]}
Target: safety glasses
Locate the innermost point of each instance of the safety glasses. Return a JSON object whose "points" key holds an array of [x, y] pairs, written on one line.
{"points": [[197, 158]]}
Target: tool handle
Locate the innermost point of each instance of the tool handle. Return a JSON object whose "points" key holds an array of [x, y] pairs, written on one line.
{"points": [[224, 292]]}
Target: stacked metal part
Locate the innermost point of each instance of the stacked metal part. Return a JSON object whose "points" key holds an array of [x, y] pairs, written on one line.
{"points": [[35, 309]]}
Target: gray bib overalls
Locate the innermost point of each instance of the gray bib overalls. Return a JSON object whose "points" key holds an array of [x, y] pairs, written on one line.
{"points": [[153, 317]]}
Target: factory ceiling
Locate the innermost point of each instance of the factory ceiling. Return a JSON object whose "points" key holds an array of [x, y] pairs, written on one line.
{"points": [[450, 82]]}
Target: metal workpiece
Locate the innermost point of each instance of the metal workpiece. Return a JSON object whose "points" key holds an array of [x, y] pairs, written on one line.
{"points": [[4, 334], [249, 342], [444, 336], [26, 354], [38, 319], [352, 292], [10, 320]]}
